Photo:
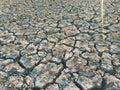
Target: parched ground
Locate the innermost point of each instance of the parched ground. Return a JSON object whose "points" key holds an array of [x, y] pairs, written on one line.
{"points": [[59, 45]]}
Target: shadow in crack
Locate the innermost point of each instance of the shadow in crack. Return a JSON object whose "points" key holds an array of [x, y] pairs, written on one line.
{"points": [[35, 88]]}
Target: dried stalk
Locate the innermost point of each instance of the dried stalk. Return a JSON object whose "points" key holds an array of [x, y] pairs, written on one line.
{"points": [[102, 13]]}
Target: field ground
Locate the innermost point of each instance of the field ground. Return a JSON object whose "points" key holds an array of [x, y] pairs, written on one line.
{"points": [[59, 45]]}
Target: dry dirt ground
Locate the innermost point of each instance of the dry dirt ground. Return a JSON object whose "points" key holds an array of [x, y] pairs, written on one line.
{"points": [[59, 45]]}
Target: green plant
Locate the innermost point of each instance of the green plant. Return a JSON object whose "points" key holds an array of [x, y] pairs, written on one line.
{"points": [[116, 38], [3, 81]]}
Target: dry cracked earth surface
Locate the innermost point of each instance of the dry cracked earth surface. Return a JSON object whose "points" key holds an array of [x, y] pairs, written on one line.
{"points": [[59, 45]]}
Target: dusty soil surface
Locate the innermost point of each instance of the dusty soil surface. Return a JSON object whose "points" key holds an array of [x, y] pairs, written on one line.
{"points": [[59, 45]]}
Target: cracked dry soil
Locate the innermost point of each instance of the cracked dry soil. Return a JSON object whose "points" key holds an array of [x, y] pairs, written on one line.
{"points": [[59, 45]]}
